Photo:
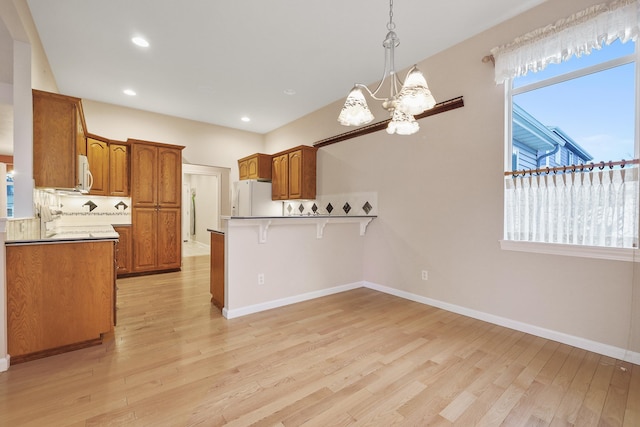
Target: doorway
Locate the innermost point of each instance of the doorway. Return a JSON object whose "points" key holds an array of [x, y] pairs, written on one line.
{"points": [[205, 198]]}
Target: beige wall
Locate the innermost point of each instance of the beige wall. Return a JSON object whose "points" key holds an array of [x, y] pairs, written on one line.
{"points": [[440, 205], [294, 262]]}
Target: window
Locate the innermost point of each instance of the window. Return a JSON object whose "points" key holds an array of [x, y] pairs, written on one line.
{"points": [[573, 108], [590, 99]]}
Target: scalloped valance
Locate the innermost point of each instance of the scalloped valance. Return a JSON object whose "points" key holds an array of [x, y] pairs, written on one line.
{"points": [[575, 35]]}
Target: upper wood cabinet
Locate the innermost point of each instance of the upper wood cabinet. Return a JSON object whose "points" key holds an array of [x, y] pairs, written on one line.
{"points": [[280, 177], [109, 166], [59, 137], [118, 169], [98, 156], [294, 174], [156, 195], [257, 166], [156, 175]]}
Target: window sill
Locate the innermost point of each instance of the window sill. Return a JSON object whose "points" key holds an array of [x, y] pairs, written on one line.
{"points": [[613, 254]]}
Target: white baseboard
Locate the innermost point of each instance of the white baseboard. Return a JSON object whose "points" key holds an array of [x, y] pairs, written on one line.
{"points": [[243, 311], [4, 363], [585, 344]]}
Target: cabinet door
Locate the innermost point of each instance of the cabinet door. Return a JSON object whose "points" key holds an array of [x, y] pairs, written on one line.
{"points": [[295, 174], [252, 167], [243, 169], [123, 253], [143, 175], [98, 156], [169, 177], [118, 170], [169, 238], [280, 178], [55, 128], [145, 238]]}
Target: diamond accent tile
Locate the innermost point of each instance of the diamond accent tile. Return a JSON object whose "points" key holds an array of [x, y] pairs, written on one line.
{"points": [[301, 208], [367, 208], [289, 208], [346, 208], [329, 207], [314, 208]]}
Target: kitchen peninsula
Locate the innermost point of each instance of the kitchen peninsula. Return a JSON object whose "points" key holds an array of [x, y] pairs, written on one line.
{"points": [[274, 261]]}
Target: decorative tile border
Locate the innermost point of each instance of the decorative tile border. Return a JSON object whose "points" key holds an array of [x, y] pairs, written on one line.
{"points": [[356, 204]]}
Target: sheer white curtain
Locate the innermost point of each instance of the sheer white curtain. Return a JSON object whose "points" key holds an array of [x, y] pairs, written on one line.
{"points": [[575, 35], [597, 208]]}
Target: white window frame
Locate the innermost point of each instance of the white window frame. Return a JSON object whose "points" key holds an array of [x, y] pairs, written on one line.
{"points": [[607, 253]]}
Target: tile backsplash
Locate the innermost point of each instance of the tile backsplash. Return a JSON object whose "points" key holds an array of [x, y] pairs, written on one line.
{"points": [[59, 210], [94, 210], [351, 204]]}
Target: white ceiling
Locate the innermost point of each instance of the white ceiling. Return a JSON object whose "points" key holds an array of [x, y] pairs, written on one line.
{"points": [[215, 61]]}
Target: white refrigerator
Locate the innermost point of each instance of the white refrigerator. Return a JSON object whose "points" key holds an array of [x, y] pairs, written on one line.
{"points": [[253, 198]]}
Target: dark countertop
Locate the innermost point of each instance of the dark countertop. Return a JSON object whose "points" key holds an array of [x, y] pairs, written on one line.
{"points": [[300, 216], [82, 233]]}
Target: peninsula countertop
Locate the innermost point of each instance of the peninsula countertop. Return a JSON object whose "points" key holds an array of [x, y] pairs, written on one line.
{"points": [[80, 233], [264, 223]]}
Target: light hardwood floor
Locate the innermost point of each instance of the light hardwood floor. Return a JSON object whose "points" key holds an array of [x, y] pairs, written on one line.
{"points": [[356, 358]]}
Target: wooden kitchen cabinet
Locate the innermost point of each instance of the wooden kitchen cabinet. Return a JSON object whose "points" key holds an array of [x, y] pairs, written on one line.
{"points": [[216, 284], [156, 195], [118, 169], [257, 166], [98, 156], [59, 137], [109, 166], [294, 174], [60, 297], [123, 250], [280, 177]]}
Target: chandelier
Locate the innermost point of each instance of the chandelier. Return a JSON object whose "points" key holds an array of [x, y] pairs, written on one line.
{"points": [[405, 100]]}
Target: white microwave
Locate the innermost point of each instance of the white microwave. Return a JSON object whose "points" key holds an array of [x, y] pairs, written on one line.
{"points": [[85, 179]]}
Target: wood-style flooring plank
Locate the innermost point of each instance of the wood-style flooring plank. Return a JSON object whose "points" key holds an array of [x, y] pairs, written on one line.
{"points": [[358, 358]]}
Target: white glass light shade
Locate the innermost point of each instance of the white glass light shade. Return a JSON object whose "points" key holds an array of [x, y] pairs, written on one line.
{"points": [[415, 96], [355, 111], [402, 123]]}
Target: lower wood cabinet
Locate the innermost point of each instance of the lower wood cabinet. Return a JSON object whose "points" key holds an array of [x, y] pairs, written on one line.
{"points": [[123, 251], [60, 296], [156, 239], [216, 284]]}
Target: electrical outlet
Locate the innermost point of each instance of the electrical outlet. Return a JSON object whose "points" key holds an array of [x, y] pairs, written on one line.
{"points": [[261, 279], [425, 275]]}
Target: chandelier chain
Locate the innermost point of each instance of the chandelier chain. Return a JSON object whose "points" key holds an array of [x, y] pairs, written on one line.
{"points": [[391, 25]]}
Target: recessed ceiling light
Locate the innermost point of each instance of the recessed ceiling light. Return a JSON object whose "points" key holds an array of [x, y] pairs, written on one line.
{"points": [[245, 119], [140, 42], [129, 92], [289, 92]]}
